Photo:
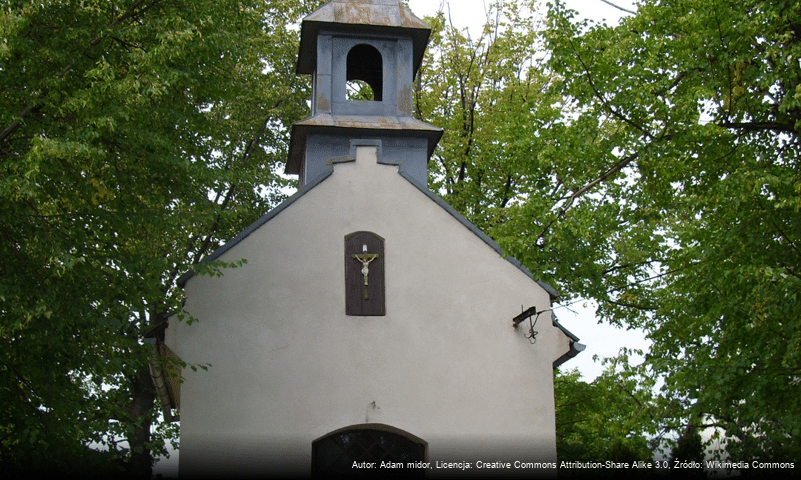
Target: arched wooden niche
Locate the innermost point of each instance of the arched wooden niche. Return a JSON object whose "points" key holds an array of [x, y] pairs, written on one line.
{"points": [[336, 452], [364, 274]]}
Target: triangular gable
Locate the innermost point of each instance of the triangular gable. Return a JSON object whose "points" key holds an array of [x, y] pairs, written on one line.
{"points": [[330, 170], [575, 346]]}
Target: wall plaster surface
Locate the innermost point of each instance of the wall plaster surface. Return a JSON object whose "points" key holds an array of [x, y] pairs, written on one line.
{"points": [[288, 366]]}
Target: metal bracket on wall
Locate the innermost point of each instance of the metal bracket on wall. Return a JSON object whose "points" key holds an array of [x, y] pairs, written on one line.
{"points": [[530, 313]]}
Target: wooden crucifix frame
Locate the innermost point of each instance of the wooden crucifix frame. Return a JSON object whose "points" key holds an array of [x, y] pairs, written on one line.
{"points": [[364, 274]]}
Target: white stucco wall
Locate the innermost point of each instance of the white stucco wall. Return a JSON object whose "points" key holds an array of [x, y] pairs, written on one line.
{"points": [[287, 366]]}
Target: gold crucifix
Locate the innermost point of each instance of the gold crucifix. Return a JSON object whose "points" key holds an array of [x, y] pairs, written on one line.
{"points": [[365, 259]]}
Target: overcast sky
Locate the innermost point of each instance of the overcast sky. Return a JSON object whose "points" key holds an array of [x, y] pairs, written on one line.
{"points": [[470, 13]]}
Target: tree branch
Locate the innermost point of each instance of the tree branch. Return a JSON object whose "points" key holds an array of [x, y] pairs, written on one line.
{"points": [[597, 93], [632, 305], [759, 126], [507, 188], [585, 189], [251, 145], [603, 177], [621, 267], [619, 7]]}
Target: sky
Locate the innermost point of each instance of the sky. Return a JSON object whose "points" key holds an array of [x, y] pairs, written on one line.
{"points": [[470, 13], [601, 340]]}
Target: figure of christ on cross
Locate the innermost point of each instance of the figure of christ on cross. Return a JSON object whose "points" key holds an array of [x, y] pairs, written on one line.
{"points": [[365, 259]]}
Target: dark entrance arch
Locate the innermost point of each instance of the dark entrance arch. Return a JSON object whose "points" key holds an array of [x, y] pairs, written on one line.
{"points": [[338, 451]]}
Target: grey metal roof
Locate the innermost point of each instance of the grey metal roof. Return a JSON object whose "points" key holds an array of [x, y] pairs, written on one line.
{"points": [[372, 16], [365, 124]]}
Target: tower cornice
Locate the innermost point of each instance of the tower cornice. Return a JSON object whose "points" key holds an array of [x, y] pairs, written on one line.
{"points": [[371, 16]]}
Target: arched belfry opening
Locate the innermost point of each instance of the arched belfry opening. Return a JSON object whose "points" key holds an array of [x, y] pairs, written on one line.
{"points": [[365, 64]]}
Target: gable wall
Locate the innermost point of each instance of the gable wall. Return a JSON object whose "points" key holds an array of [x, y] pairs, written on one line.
{"points": [[288, 366]]}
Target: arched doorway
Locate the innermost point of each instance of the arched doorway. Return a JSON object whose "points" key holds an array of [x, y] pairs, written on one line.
{"points": [[369, 446]]}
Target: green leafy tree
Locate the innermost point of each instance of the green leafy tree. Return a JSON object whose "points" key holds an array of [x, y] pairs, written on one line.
{"points": [[689, 449], [517, 160], [653, 167], [697, 109], [135, 137], [490, 96], [614, 418]]}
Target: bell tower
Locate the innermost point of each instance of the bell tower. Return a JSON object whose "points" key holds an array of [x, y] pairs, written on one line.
{"points": [[375, 48]]}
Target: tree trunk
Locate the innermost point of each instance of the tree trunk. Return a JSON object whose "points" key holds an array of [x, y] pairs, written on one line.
{"points": [[144, 397]]}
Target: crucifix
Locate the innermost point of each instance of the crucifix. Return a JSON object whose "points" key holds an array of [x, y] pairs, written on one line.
{"points": [[365, 259], [364, 278]]}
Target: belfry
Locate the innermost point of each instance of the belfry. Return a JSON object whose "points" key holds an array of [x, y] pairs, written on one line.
{"points": [[379, 44]]}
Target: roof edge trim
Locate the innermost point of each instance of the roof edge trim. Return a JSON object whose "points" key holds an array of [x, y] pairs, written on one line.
{"points": [[575, 346], [483, 236], [258, 223]]}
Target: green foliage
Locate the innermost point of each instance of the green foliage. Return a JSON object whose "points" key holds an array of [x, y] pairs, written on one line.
{"points": [[135, 137], [518, 161], [489, 95], [689, 449], [613, 418], [359, 90], [653, 167], [703, 99]]}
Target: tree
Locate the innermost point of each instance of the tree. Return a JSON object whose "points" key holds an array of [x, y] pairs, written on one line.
{"points": [[697, 106], [614, 418], [689, 449], [485, 92], [513, 161], [652, 167], [135, 137]]}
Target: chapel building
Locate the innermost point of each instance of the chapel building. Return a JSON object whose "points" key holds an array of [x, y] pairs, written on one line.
{"points": [[371, 322]]}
